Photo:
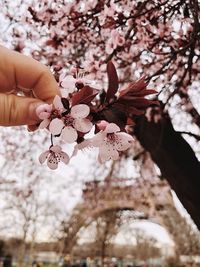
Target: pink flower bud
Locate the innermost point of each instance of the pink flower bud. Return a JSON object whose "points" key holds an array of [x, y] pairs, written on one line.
{"points": [[102, 125]]}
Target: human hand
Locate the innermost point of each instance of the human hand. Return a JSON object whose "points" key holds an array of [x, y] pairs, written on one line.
{"points": [[22, 73]]}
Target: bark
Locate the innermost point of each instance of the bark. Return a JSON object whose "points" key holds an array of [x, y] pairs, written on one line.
{"points": [[176, 160]]}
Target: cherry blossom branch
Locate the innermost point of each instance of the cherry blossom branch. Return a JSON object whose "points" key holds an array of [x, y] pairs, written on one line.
{"points": [[161, 70], [197, 137]]}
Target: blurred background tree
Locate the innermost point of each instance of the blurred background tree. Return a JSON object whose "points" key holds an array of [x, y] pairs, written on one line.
{"points": [[156, 39]]}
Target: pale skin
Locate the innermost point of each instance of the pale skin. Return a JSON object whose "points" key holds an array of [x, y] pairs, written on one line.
{"points": [[35, 80]]}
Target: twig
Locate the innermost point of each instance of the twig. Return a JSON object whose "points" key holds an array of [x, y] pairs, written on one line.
{"points": [[190, 134]]}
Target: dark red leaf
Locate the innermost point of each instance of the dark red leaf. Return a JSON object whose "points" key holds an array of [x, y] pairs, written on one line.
{"points": [[130, 121], [84, 96], [142, 93], [133, 97], [135, 87], [137, 102], [128, 109], [112, 81], [135, 111]]}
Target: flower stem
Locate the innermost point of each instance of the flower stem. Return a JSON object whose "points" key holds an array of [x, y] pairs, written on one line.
{"points": [[51, 140]]}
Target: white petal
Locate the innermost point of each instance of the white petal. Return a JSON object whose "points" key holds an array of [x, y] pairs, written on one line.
{"points": [[81, 146], [108, 152], [68, 82], [98, 139], [56, 149], [57, 103], [114, 155], [64, 157], [43, 156], [125, 136], [83, 125], [103, 155], [112, 128], [64, 92], [99, 159], [75, 151], [80, 111], [44, 115], [55, 126], [69, 134], [86, 143], [61, 77], [123, 141], [44, 124], [52, 162]]}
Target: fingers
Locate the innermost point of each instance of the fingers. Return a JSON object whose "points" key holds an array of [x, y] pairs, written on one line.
{"points": [[20, 71], [17, 110]]}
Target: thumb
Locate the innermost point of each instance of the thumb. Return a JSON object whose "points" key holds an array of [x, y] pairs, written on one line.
{"points": [[18, 110]]}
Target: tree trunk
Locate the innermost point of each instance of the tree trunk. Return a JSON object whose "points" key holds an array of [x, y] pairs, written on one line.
{"points": [[176, 160]]}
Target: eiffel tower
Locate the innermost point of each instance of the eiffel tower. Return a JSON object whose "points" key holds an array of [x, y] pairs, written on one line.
{"points": [[149, 199]]}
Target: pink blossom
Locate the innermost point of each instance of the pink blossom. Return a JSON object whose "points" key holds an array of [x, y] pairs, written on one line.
{"points": [[109, 46], [49, 114], [90, 4], [114, 41], [102, 125], [71, 123], [66, 125], [117, 38], [110, 141], [71, 83], [107, 12], [53, 156], [44, 111]]}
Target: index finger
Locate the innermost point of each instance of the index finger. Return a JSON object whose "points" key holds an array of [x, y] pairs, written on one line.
{"points": [[17, 70]]}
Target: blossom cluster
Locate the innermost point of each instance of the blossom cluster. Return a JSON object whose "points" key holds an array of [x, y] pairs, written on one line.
{"points": [[82, 109], [159, 38]]}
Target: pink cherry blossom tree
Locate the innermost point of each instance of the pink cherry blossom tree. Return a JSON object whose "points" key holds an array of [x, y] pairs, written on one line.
{"points": [[158, 40]]}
